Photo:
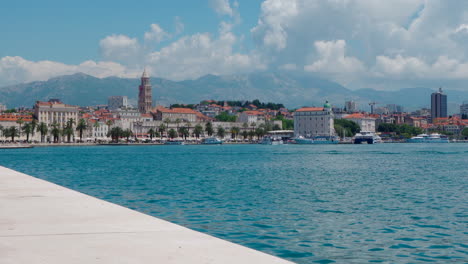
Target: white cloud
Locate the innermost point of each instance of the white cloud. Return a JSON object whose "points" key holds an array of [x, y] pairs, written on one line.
{"points": [[200, 54], [157, 34], [120, 48], [222, 7], [333, 60], [17, 69]]}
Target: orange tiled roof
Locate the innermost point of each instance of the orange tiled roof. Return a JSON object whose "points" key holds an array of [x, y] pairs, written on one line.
{"points": [[15, 117], [309, 109], [357, 116], [253, 112]]}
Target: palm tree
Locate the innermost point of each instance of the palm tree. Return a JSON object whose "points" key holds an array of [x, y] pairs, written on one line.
{"points": [[178, 121], [260, 132], [198, 130], [151, 133], [172, 133], [96, 126], [115, 133], [253, 125], [20, 121], [12, 132], [184, 132], [80, 127], [109, 123], [188, 125], [245, 134], [33, 127], [209, 129], [127, 133], [167, 121], [1, 129], [68, 129], [161, 129], [55, 132], [234, 132], [221, 132], [42, 128], [27, 129]]}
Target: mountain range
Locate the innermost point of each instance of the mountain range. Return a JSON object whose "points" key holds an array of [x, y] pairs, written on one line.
{"points": [[290, 89]]}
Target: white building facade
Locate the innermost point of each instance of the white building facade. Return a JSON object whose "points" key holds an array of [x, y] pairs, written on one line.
{"points": [[314, 121]]}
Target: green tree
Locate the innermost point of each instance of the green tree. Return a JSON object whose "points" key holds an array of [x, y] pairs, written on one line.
{"points": [[115, 133], [465, 132], [68, 129], [12, 132], [172, 133], [221, 132], [251, 134], [234, 132], [27, 129], [245, 134], [55, 132], [80, 127], [184, 132], [127, 133], [198, 130], [209, 129], [260, 132], [276, 127], [20, 121], [225, 117], [151, 133], [348, 127], [33, 127], [42, 129], [161, 129]]}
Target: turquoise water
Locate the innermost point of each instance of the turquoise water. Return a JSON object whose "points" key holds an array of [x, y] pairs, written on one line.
{"points": [[392, 203]]}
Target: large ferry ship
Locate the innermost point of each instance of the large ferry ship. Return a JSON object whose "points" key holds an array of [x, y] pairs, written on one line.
{"points": [[432, 138], [367, 138], [318, 140]]}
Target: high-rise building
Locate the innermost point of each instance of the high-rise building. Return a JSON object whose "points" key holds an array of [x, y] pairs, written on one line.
{"points": [[351, 106], [116, 102], [145, 99], [438, 105], [394, 108], [464, 110]]}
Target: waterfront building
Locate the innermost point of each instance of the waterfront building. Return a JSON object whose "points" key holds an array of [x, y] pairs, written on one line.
{"points": [[145, 98], [365, 122], [351, 106], [182, 114], [3, 107], [116, 102], [252, 116], [438, 105], [416, 121], [314, 121], [54, 111], [381, 111]]}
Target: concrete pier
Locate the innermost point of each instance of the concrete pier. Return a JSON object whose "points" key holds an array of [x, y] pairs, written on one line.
{"points": [[41, 222]]}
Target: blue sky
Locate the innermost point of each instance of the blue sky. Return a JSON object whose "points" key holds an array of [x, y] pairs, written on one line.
{"points": [[358, 43], [68, 31]]}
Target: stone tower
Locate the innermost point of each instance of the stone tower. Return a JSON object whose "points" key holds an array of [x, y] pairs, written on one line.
{"points": [[145, 98]]}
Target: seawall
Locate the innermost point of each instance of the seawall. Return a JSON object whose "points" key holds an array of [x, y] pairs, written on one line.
{"points": [[41, 222]]}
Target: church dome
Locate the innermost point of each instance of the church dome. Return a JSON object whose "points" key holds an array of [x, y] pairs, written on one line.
{"points": [[327, 105]]}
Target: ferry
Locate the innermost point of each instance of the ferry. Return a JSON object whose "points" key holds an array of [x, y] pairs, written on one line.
{"points": [[212, 141], [367, 137], [432, 138], [271, 141], [317, 140]]}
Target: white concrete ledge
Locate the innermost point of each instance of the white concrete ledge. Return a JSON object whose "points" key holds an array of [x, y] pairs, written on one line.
{"points": [[41, 222]]}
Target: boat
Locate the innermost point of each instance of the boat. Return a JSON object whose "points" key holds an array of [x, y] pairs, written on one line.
{"points": [[367, 138], [271, 141], [174, 142], [212, 141], [432, 138], [317, 140]]}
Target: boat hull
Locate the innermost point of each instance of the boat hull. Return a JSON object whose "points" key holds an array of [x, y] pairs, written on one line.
{"points": [[307, 141]]}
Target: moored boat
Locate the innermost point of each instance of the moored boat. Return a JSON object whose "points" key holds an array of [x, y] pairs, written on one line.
{"points": [[212, 141], [271, 141], [174, 142], [432, 138], [367, 137], [317, 140]]}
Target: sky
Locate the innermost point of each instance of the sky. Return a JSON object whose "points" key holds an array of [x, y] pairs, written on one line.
{"points": [[384, 45]]}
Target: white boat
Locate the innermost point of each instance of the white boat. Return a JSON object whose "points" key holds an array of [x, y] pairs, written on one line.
{"points": [[174, 142], [432, 138], [212, 141], [317, 140], [367, 138], [271, 141]]}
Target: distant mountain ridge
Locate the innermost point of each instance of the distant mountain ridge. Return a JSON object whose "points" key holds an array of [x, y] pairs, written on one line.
{"points": [[290, 89]]}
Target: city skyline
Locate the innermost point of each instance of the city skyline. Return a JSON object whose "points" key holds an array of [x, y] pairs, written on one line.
{"points": [[390, 46]]}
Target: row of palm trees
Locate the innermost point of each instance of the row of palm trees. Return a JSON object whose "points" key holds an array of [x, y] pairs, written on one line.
{"points": [[29, 129]]}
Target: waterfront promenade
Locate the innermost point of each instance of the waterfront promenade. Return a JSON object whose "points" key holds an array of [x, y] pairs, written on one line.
{"points": [[41, 222]]}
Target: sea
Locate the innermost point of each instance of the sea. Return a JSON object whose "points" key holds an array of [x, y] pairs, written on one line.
{"points": [[382, 203]]}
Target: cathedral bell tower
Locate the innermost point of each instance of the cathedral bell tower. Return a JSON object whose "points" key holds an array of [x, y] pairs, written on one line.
{"points": [[145, 98]]}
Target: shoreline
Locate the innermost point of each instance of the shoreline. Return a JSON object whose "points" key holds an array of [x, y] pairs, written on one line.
{"points": [[46, 223]]}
